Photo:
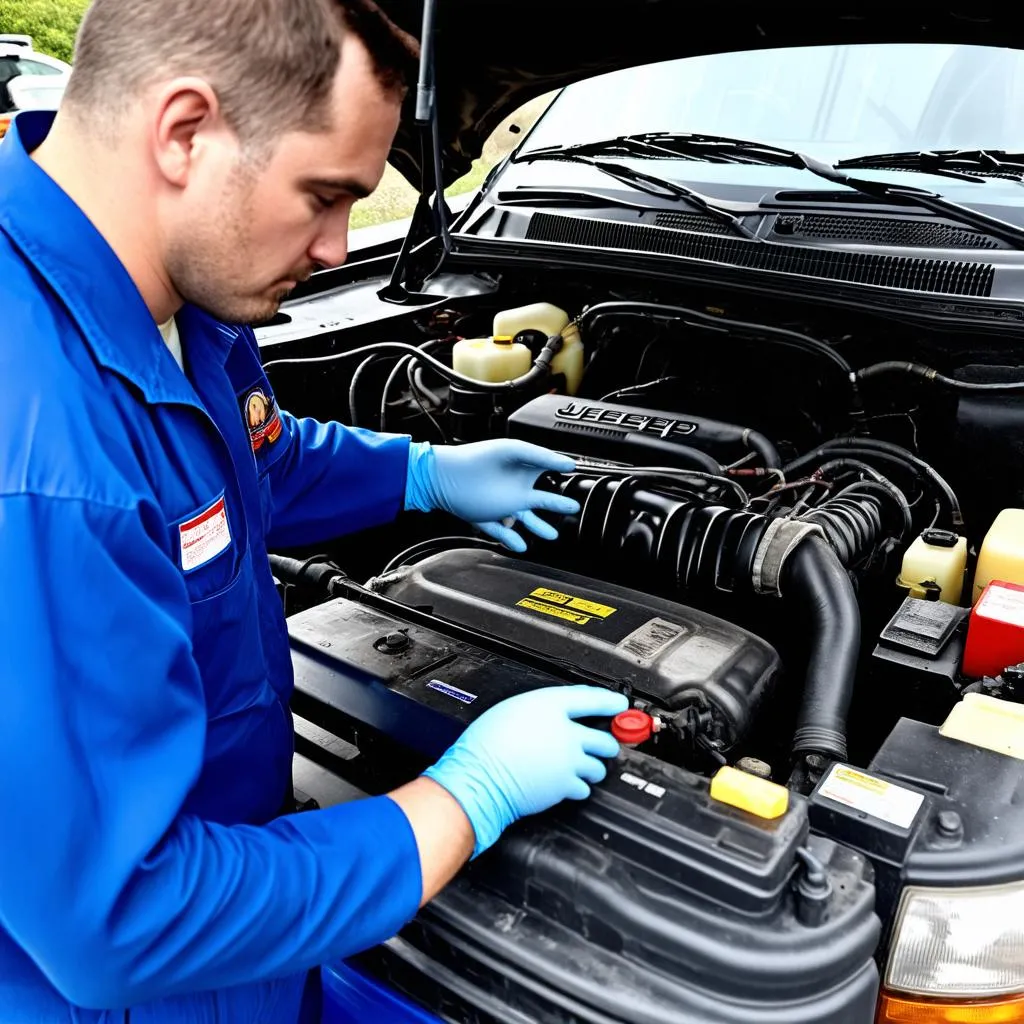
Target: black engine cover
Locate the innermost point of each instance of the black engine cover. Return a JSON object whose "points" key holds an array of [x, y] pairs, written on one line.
{"points": [[667, 653], [635, 436]]}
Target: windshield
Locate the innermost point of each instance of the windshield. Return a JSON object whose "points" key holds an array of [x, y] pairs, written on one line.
{"points": [[829, 101]]}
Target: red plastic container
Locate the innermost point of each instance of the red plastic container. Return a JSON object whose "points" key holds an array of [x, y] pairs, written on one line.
{"points": [[995, 635]]}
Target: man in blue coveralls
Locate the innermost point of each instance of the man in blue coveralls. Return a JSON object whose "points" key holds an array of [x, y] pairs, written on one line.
{"points": [[205, 159]]}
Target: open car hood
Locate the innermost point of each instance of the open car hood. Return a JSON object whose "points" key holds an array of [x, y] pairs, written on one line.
{"points": [[492, 56]]}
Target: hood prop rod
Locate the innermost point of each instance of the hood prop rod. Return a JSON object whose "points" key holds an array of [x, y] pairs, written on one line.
{"points": [[432, 178]]}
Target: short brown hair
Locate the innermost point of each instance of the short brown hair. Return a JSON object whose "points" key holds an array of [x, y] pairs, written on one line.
{"points": [[271, 62], [394, 53]]}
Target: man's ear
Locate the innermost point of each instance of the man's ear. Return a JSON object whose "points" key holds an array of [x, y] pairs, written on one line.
{"points": [[187, 110]]}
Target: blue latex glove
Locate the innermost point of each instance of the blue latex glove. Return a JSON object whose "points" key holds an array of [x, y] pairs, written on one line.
{"points": [[526, 754], [487, 482]]}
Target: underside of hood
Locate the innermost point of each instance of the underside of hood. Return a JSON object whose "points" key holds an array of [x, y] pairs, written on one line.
{"points": [[492, 56]]}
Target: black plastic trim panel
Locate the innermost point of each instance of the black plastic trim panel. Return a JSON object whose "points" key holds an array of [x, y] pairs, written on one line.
{"points": [[944, 277]]}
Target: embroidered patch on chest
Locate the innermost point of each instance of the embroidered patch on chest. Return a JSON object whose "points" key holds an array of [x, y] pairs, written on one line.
{"points": [[262, 418], [204, 536]]}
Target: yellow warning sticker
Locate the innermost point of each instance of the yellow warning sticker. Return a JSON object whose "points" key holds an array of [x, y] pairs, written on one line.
{"points": [[602, 611], [855, 778], [555, 610]]}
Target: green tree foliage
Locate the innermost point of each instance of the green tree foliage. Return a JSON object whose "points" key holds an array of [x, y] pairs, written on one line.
{"points": [[51, 23]]}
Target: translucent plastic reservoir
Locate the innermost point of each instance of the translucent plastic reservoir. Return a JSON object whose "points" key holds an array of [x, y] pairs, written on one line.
{"points": [[549, 320], [570, 359], [486, 359], [1002, 552], [934, 566], [538, 316]]}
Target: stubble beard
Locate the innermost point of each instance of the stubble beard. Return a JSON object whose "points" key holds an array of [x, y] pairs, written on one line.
{"points": [[207, 268]]}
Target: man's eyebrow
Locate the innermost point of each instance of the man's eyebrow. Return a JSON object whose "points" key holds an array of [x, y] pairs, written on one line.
{"points": [[349, 185]]}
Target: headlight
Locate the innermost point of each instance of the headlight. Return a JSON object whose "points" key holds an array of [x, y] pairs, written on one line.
{"points": [[959, 942], [957, 957]]}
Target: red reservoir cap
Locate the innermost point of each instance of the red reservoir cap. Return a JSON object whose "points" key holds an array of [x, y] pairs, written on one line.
{"points": [[632, 726]]}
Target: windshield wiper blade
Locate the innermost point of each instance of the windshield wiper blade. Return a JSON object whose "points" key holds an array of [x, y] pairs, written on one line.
{"points": [[963, 164], [679, 146], [531, 195], [933, 201], [660, 188], [721, 148]]}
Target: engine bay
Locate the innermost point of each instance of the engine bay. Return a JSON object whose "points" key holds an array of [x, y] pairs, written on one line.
{"points": [[799, 552], [778, 531]]}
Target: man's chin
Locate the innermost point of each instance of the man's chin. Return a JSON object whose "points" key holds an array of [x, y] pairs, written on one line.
{"points": [[255, 309], [271, 307], [253, 313], [265, 314]]}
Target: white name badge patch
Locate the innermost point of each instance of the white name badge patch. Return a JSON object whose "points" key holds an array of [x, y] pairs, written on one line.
{"points": [[204, 536]]}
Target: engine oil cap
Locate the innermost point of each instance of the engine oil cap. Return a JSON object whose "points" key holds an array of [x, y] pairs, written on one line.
{"points": [[632, 727]]}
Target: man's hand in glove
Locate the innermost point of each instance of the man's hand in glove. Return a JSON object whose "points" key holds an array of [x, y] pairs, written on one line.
{"points": [[527, 754], [486, 483]]}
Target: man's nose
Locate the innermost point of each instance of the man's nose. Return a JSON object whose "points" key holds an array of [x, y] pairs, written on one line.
{"points": [[330, 249]]}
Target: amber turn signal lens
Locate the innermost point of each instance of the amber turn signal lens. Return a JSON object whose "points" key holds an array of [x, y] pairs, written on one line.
{"points": [[896, 1009]]}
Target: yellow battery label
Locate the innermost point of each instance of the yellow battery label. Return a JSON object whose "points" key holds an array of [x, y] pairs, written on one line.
{"points": [[602, 611], [555, 610]]}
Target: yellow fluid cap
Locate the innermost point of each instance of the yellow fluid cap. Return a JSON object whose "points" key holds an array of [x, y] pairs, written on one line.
{"points": [[749, 793]]}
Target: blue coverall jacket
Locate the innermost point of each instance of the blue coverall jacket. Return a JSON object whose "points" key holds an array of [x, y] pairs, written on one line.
{"points": [[145, 737]]}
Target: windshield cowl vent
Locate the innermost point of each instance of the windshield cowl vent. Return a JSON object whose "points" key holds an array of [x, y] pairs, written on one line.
{"points": [[895, 231], [693, 222], [944, 277]]}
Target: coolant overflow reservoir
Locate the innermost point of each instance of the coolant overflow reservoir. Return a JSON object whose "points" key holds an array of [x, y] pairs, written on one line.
{"points": [[539, 316], [934, 566], [494, 360]]}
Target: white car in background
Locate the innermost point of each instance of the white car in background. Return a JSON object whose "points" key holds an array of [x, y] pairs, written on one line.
{"points": [[28, 80]]}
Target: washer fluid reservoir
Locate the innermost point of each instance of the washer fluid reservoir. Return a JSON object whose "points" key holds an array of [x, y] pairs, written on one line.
{"points": [[494, 360], [1002, 552], [548, 319], [934, 567]]}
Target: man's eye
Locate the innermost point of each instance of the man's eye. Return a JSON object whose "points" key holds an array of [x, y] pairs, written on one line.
{"points": [[324, 202]]}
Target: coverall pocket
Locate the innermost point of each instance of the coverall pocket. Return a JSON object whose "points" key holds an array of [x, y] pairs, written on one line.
{"points": [[210, 543]]}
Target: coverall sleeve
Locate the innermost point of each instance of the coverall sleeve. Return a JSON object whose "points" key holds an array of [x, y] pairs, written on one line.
{"points": [[118, 896], [333, 479]]}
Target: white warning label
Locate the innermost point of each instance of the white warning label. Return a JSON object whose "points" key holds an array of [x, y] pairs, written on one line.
{"points": [[873, 796]]}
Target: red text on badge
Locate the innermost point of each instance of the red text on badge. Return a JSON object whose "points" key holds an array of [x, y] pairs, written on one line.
{"points": [[204, 536]]}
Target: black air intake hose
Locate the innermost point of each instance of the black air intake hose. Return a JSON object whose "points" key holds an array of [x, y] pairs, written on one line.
{"points": [[685, 544], [852, 525], [816, 582]]}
